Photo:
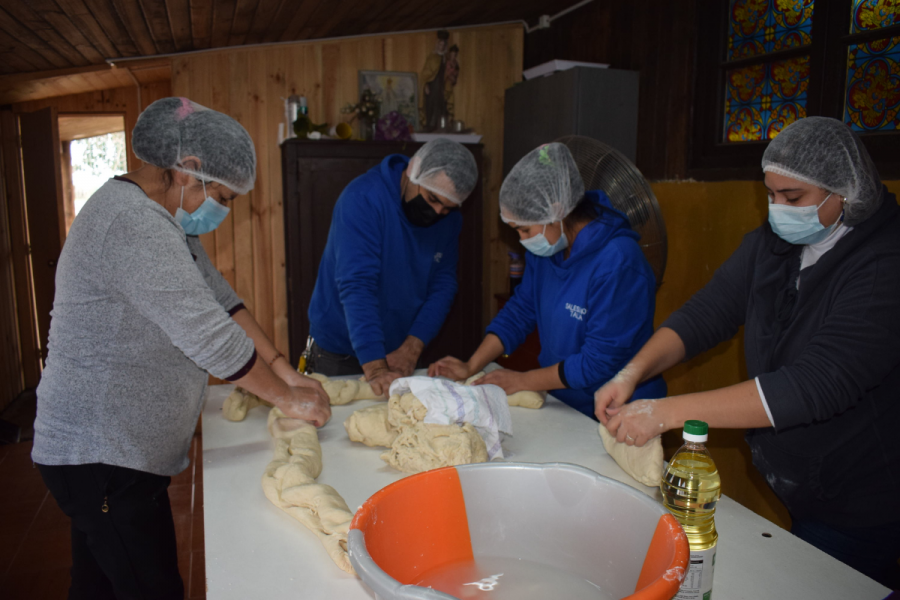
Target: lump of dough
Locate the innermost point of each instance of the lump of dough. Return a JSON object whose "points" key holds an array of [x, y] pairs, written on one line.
{"points": [[525, 399], [370, 426], [405, 410], [644, 463], [426, 446], [239, 402]]}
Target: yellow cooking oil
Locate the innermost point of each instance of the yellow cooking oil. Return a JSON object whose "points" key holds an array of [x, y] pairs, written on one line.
{"points": [[690, 489]]}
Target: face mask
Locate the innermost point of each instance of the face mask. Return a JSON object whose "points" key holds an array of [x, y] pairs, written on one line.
{"points": [[420, 213], [539, 246], [206, 218], [799, 224]]}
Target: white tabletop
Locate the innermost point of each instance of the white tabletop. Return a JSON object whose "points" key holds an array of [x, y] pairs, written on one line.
{"points": [[254, 550]]}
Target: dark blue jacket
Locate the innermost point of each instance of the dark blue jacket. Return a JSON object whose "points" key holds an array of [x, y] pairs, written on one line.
{"points": [[827, 356], [593, 311], [382, 278]]}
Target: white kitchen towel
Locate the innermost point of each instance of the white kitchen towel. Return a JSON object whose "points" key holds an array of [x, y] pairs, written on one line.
{"points": [[446, 402]]}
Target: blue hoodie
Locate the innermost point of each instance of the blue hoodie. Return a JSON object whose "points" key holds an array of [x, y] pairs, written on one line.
{"points": [[381, 277], [593, 311]]}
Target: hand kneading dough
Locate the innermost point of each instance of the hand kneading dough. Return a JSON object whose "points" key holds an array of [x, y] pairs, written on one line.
{"points": [[426, 446], [239, 402], [344, 391], [525, 399], [370, 426], [643, 463], [289, 482]]}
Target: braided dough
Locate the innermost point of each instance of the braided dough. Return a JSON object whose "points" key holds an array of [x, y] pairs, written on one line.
{"points": [[239, 402], [289, 482], [644, 463], [525, 399], [344, 391], [414, 446]]}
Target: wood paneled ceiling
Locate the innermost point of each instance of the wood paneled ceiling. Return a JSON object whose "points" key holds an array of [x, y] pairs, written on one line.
{"points": [[48, 35]]}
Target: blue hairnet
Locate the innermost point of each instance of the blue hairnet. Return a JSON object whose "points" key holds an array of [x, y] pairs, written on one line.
{"points": [[543, 187], [826, 153], [171, 129]]}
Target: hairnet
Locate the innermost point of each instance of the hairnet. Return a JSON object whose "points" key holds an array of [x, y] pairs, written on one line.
{"points": [[450, 158], [171, 129], [826, 153], [543, 187]]}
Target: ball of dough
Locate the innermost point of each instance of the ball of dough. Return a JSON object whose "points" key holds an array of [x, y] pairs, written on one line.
{"points": [[644, 463]]}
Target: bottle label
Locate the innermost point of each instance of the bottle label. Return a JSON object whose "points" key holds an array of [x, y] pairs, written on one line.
{"points": [[697, 584]]}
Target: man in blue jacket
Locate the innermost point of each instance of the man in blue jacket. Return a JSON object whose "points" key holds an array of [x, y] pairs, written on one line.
{"points": [[587, 287], [388, 274]]}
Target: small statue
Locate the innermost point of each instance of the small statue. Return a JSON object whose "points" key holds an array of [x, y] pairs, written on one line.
{"points": [[451, 74], [434, 102]]}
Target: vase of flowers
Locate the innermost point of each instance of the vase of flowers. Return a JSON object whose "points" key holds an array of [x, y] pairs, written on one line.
{"points": [[367, 109]]}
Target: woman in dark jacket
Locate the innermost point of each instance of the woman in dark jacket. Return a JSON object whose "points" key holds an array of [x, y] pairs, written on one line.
{"points": [[817, 289]]}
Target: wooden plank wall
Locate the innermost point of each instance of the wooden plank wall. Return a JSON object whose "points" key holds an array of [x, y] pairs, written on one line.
{"points": [[117, 100], [249, 84], [11, 376], [655, 37]]}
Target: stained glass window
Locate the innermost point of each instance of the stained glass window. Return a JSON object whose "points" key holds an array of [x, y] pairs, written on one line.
{"points": [[872, 89], [758, 27], [874, 14], [763, 97]]}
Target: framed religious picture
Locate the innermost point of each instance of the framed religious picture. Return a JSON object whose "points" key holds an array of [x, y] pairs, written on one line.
{"points": [[394, 91]]}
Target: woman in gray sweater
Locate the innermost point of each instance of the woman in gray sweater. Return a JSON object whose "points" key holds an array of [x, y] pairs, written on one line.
{"points": [[140, 319], [817, 290]]}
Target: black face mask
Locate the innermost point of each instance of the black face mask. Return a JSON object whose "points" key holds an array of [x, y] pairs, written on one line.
{"points": [[420, 213]]}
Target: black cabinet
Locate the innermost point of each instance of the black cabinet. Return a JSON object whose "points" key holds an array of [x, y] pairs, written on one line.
{"points": [[314, 175]]}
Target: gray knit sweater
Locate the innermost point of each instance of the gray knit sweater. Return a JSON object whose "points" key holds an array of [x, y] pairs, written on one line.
{"points": [[139, 318]]}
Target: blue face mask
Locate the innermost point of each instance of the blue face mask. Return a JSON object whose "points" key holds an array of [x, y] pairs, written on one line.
{"points": [[799, 224], [206, 218], [539, 246]]}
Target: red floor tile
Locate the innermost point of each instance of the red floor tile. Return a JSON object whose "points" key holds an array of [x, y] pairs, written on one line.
{"points": [[183, 530], [197, 534], [50, 584], [50, 517], [44, 550], [198, 576], [9, 547], [181, 498], [17, 517]]}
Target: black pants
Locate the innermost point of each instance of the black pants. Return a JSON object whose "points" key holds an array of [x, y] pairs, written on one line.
{"points": [[126, 551], [331, 364]]}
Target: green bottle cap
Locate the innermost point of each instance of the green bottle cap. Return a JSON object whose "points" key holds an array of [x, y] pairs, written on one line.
{"points": [[696, 427]]}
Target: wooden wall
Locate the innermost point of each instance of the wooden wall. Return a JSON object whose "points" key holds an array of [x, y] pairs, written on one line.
{"points": [[11, 376], [249, 84], [655, 37], [122, 100]]}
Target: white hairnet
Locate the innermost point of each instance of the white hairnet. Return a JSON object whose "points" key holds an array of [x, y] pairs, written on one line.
{"points": [[543, 187], [826, 153], [171, 129], [460, 173]]}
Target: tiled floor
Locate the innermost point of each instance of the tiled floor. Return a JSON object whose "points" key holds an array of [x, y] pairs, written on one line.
{"points": [[35, 545]]}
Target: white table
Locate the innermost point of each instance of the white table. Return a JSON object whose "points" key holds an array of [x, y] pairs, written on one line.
{"points": [[254, 550]]}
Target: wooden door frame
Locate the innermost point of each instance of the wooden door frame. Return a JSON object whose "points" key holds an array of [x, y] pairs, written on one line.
{"points": [[29, 349]]}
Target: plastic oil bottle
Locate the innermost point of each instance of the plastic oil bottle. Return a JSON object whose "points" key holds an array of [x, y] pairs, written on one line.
{"points": [[691, 488]]}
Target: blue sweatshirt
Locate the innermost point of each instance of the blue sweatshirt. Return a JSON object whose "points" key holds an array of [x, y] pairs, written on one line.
{"points": [[593, 311], [381, 277]]}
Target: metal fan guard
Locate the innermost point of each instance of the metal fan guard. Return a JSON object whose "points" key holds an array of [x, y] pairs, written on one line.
{"points": [[605, 168]]}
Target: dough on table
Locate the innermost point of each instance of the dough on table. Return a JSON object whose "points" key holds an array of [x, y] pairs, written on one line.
{"points": [[426, 446], [525, 399], [370, 426], [414, 446], [344, 391], [289, 482], [644, 463], [239, 402]]}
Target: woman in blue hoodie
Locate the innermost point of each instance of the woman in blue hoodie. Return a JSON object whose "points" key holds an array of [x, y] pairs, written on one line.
{"points": [[587, 287]]}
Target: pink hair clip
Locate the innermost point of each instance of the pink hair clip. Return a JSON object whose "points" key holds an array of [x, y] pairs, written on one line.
{"points": [[184, 110]]}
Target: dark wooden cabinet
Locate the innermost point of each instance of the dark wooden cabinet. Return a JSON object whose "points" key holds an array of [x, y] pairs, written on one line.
{"points": [[314, 175]]}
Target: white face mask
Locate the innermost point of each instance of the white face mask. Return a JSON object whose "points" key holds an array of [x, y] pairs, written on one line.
{"points": [[799, 224], [206, 218], [539, 246]]}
